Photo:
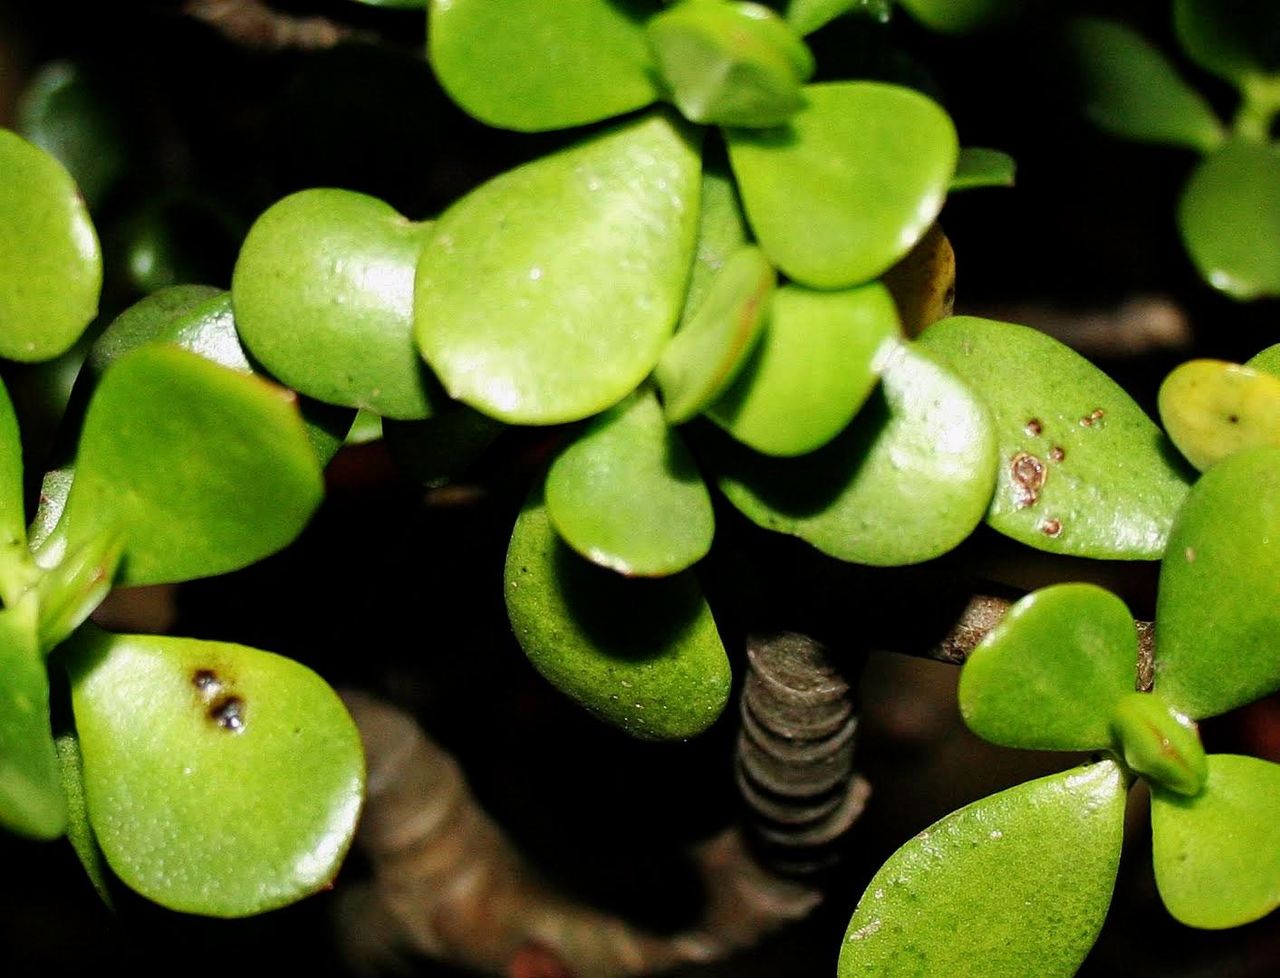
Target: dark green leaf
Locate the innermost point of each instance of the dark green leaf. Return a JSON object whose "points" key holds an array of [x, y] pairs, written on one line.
{"points": [[79, 831], [850, 184], [642, 655], [50, 264], [548, 294], [1083, 471], [1213, 409], [1050, 675], [1014, 885], [437, 449], [978, 166], [220, 780], [1235, 40], [959, 16], [1218, 644]]}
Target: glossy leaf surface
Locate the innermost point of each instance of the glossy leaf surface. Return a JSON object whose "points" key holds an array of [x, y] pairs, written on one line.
{"points": [[1213, 409], [908, 480], [1217, 855], [1234, 40], [220, 779], [1160, 743], [1050, 675], [50, 262], [1083, 470], [978, 166], [549, 293], [205, 470], [814, 366], [1131, 89], [709, 350], [641, 655], [730, 64], [31, 800], [722, 231], [521, 64], [1218, 644], [850, 184], [1013, 885], [323, 298], [1229, 216], [627, 494]]}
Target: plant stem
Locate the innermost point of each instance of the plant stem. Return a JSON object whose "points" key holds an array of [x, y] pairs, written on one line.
{"points": [[1258, 108]]}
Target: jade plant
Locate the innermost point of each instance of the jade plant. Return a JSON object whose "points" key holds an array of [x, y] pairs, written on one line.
{"points": [[731, 288]]}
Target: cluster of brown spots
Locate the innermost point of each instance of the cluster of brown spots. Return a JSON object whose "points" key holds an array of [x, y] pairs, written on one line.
{"points": [[1056, 454], [1028, 475], [224, 710], [1051, 528], [1092, 418], [1034, 427]]}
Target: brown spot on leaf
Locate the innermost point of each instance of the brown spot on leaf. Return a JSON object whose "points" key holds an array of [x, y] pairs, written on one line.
{"points": [[1233, 418], [1056, 454], [1051, 528], [1092, 418], [207, 682], [1028, 475], [1034, 427], [228, 713]]}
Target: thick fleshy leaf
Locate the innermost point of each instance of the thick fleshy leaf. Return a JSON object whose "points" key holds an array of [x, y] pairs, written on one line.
{"points": [[13, 523], [1129, 88], [69, 592], [642, 655], [807, 16], [978, 166], [323, 298], [722, 230], [1217, 855], [850, 184], [1213, 409], [1013, 885], [205, 470], [1083, 471], [31, 800], [1050, 675], [816, 363], [958, 16], [1218, 644], [1160, 743], [548, 293], [709, 350], [908, 480], [526, 65], [221, 780], [50, 263], [730, 64], [627, 494], [435, 450], [79, 832], [923, 284], [1267, 360], [1235, 40], [1229, 216]]}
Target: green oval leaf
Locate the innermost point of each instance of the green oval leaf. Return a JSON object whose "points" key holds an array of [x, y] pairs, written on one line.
{"points": [[1160, 743], [323, 297], [978, 166], [958, 16], [220, 779], [50, 263], [548, 293], [730, 64], [526, 65], [627, 494], [1051, 674], [1013, 885], [1268, 360], [850, 184], [1213, 409], [807, 16], [1218, 640], [1083, 471], [710, 349], [31, 799], [814, 366], [1233, 40], [1129, 88], [1217, 855], [907, 481], [1229, 216], [722, 231], [204, 469], [642, 655]]}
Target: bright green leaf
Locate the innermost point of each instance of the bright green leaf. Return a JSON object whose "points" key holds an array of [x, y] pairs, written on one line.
{"points": [[1233, 40], [79, 831], [642, 655], [1083, 471], [978, 166], [815, 365], [1160, 743], [220, 780], [69, 592], [627, 494], [1131, 90], [204, 469], [13, 529], [1013, 885], [1229, 216], [1050, 675], [907, 481], [1267, 360], [548, 294], [1218, 644], [709, 350], [323, 297], [722, 230], [1217, 855], [50, 264], [850, 184], [31, 800], [807, 16], [1213, 409], [528, 65]]}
